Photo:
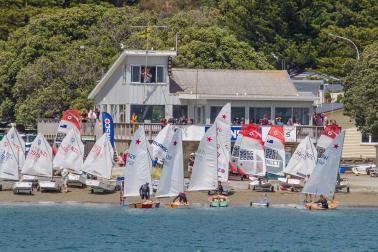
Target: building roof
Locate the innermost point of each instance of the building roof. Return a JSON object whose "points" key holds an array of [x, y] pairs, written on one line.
{"points": [[328, 107], [234, 83]]}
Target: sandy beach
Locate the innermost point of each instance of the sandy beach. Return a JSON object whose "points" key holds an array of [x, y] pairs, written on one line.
{"points": [[364, 193]]}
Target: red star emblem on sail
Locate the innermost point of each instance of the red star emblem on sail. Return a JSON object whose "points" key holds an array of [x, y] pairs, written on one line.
{"points": [[224, 116], [336, 146], [209, 139], [174, 143], [137, 141]]}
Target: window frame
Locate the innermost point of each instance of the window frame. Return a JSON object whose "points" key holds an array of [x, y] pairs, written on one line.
{"points": [[139, 75]]}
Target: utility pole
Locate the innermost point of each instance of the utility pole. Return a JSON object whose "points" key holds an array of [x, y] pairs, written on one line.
{"points": [[346, 39]]}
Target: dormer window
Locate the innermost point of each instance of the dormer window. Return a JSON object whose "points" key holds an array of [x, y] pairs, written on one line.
{"points": [[149, 74]]}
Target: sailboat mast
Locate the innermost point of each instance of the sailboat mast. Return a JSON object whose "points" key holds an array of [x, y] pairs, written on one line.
{"points": [[216, 144]]}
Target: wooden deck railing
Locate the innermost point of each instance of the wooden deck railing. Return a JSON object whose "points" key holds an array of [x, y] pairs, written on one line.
{"points": [[124, 131]]}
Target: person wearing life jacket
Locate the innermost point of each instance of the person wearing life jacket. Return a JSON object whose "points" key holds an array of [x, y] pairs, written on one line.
{"points": [[323, 201], [181, 197], [144, 191]]}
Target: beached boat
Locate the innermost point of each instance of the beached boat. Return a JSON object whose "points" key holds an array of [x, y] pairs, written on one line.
{"points": [[99, 163], [70, 156], [324, 177], [138, 170], [39, 162], [172, 179], [301, 165], [212, 158], [218, 201], [12, 158]]}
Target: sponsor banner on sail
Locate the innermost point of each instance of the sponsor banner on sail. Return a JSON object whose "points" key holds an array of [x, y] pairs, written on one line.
{"points": [[138, 164], [107, 126], [160, 143], [100, 159], [328, 134], [234, 159], [251, 153], [8, 161], [70, 153], [303, 160], [324, 177], [172, 179], [275, 150], [70, 120], [39, 159]]}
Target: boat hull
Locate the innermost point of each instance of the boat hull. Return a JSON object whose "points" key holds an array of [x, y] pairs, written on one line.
{"points": [[315, 206], [176, 205], [219, 201], [23, 188], [146, 205], [259, 204], [51, 186]]}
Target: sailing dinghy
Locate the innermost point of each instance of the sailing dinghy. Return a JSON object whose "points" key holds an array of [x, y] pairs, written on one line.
{"points": [[138, 169], [212, 157], [301, 165], [172, 179], [39, 162], [70, 157], [324, 177], [99, 163], [12, 157]]}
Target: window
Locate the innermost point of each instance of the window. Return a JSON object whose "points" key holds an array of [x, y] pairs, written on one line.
{"points": [[301, 116], [237, 115], [135, 74], [149, 74], [214, 111], [122, 113], [114, 112], [257, 114], [369, 139], [284, 113], [148, 113], [180, 111]]}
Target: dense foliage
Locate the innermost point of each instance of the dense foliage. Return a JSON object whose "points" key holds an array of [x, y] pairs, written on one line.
{"points": [[52, 52], [361, 90]]}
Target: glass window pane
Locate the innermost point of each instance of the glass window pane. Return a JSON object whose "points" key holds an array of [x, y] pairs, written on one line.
{"points": [[237, 115], [180, 111], [301, 116], [282, 115], [374, 137], [260, 115], [214, 111], [364, 138], [159, 74], [148, 74], [147, 113], [135, 73]]}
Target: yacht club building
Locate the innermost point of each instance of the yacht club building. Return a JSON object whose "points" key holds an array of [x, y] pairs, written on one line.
{"points": [[143, 83]]}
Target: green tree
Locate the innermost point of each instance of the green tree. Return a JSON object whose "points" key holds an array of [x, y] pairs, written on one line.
{"points": [[361, 89]]}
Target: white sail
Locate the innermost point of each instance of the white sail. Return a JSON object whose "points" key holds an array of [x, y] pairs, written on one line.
{"points": [[138, 164], [328, 134], [274, 148], [161, 142], [234, 159], [303, 161], [100, 159], [223, 128], [8, 161], [17, 145], [251, 153], [205, 174], [172, 179], [324, 177], [39, 159], [70, 152]]}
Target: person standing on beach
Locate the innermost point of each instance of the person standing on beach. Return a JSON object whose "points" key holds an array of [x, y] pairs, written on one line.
{"points": [[64, 175]]}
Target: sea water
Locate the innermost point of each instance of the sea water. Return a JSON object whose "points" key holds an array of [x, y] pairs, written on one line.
{"points": [[111, 228]]}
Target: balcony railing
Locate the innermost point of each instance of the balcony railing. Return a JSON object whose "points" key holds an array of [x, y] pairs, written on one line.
{"points": [[124, 131]]}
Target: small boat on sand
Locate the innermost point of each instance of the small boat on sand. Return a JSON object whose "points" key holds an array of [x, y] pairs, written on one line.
{"points": [[218, 201]]}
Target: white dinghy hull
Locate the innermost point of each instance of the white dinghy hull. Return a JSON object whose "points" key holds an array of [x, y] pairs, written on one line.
{"points": [[50, 186], [23, 187]]}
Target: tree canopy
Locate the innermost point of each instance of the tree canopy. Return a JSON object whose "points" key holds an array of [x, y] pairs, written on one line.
{"points": [[361, 90], [52, 52]]}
